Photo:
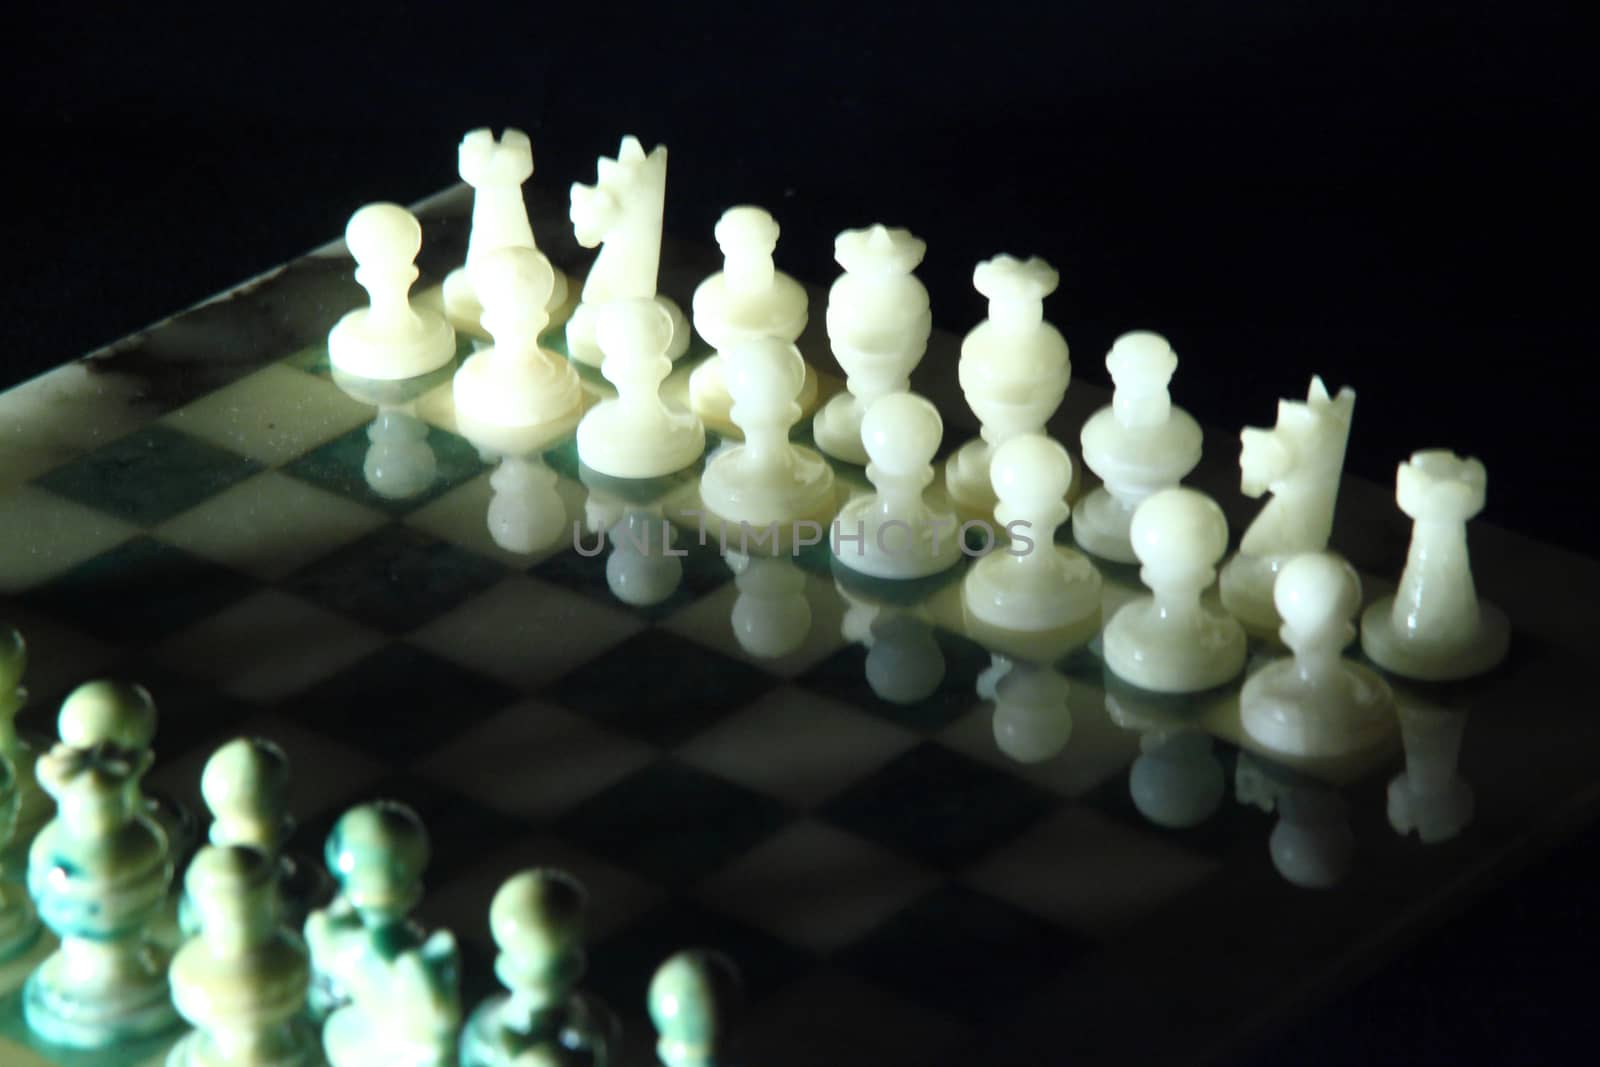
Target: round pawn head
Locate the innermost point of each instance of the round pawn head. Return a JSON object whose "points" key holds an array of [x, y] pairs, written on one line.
{"points": [[537, 918], [513, 282], [120, 713], [1437, 485], [383, 233], [13, 659], [1141, 361], [634, 327], [765, 372], [1178, 533], [1315, 591], [746, 229], [234, 890], [245, 785], [691, 998], [377, 852], [901, 433], [1031, 471]]}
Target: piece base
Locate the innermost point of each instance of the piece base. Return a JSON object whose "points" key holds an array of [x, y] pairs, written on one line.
{"points": [[353, 349], [1422, 661], [75, 1020], [731, 493], [1245, 584], [614, 443], [1281, 713], [1100, 526], [526, 396], [1003, 592], [1163, 658], [837, 430], [302, 1048], [905, 554]]}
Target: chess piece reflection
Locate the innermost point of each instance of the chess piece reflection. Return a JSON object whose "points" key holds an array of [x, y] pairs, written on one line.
{"points": [[526, 512], [1177, 781], [241, 980], [400, 463], [622, 212], [1312, 845], [400, 989], [536, 919], [643, 569], [1032, 712], [19, 924], [1429, 797], [692, 1000], [98, 873], [1299, 461], [771, 616]]}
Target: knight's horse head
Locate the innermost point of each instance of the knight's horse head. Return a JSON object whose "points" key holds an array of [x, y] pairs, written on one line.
{"points": [[597, 208]]}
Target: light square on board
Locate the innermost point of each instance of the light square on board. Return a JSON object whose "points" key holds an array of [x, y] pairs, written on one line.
{"points": [[47, 534], [535, 761], [798, 746], [270, 525], [1089, 874], [272, 416], [267, 647], [526, 632], [784, 632], [59, 416], [816, 887]]}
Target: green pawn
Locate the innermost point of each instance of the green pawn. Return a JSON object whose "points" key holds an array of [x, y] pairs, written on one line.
{"points": [[242, 981], [33, 804], [692, 998], [19, 926], [537, 922]]}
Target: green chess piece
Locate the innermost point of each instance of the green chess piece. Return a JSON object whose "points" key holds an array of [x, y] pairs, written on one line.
{"points": [[33, 803], [537, 920], [691, 1001], [242, 981], [19, 925], [397, 994], [99, 873]]}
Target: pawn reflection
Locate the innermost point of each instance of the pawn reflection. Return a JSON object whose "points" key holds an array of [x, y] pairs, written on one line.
{"points": [[904, 661], [642, 569], [526, 512], [1430, 798], [400, 463], [1312, 845], [1032, 713], [1177, 781], [771, 616]]}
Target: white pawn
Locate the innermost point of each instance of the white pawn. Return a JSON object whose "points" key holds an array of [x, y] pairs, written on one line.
{"points": [[766, 479], [242, 981], [496, 170], [1034, 584], [1434, 628], [635, 434], [514, 383], [894, 531], [391, 338], [771, 615], [400, 462], [526, 512], [1170, 642], [1014, 372], [878, 326], [1138, 444], [748, 298], [1315, 702], [1032, 713], [1430, 798]]}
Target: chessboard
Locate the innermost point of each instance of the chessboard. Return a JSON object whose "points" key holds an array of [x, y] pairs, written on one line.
{"points": [[905, 871]]}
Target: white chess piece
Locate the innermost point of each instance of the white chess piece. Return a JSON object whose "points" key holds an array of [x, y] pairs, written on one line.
{"points": [[1430, 798], [1312, 844], [496, 170], [1014, 372], [878, 326], [1033, 584], [766, 479], [894, 533], [1315, 702], [1299, 461], [390, 338], [748, 298], [1032, 713], [771, 616], [1435, 628], [526, 512], [514, 383], [1138, 444], [635, 434], [622, 211], [1170, 642]]}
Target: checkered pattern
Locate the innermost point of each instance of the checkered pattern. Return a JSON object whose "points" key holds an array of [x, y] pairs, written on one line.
{"points": [[839, 818]]}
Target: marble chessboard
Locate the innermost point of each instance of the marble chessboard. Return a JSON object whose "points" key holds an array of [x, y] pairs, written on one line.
{"points": [[904, 871]]}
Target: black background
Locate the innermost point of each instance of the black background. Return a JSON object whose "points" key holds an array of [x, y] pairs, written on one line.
{"points": [[1392, 196]]}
